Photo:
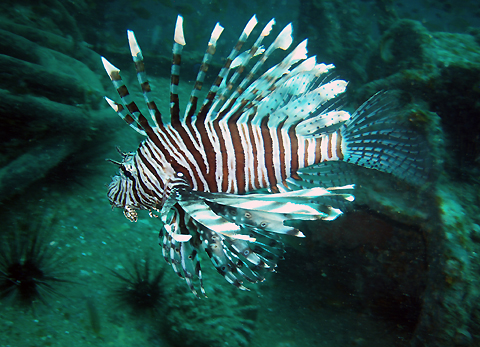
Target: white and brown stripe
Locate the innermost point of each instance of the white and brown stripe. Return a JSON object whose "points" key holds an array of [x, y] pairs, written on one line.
{"points": [[248, 157]]}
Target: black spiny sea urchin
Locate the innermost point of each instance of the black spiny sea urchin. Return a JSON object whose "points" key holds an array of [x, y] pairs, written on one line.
{"points": [[29, 267], [140, 289]]}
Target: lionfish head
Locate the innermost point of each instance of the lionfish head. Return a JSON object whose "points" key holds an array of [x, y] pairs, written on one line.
{"points": [[121, 189]]}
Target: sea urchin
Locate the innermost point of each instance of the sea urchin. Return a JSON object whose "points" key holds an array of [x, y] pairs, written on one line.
{"points": [[140, 290], [28, 267]]}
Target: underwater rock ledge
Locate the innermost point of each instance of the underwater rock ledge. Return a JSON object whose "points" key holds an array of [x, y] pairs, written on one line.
{"points": [[51, 103]]}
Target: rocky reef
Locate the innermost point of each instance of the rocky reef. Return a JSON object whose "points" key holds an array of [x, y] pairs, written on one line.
{"points": [[50, 91]]}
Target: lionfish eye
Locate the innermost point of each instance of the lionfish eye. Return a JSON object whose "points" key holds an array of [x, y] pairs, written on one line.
{"points": [[127, 173]]}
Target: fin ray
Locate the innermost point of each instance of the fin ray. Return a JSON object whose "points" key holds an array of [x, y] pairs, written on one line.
{"points": [[377, 136]]}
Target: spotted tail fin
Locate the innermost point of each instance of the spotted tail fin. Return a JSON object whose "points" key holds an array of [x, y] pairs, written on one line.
{"points": [[377, 136]]}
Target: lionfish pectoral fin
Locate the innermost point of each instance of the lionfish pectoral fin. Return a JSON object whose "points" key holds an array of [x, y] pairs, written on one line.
{"points": [[336, 175], [221, 258], [269, 212], [237, 259], [213, 228], [240, 232], [233, 249], [171, 194], [180, 248], [202, 214], [181, 238]]}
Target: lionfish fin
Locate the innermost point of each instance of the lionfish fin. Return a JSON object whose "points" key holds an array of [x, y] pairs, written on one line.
{"points": [[125, 115], [133, 44], [199, 211], [284, 39], [240, 63], [130, 112], [239, 231], [322, 124], [179, 42], [137, 57], [231, 254], [262, 93], [268, 28], [326, 174], [220, 89], [250, 25], [308, 108], [242, 59], [179, 37], [378, 136], [180, 253], [245, 93], [269, 212], [237, 259], [211, 48]]}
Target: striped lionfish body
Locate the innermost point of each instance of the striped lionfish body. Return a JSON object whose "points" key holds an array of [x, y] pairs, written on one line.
{"points": [[278, 131]]}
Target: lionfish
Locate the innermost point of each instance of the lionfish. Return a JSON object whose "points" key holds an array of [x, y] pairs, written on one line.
{"points": [[257, 154]]}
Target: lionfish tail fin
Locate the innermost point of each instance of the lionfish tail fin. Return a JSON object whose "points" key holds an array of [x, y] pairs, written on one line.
{"points": [[378, 136]]}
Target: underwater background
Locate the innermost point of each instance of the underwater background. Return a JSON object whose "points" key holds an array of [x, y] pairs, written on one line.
{"points": [[401, 269]]}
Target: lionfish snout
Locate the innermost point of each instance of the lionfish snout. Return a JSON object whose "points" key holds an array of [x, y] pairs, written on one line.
{"points": [[120, 189], [114, 194]]}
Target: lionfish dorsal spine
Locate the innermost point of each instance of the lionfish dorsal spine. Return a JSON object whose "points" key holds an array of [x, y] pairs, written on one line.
{"points": [[217, 93], [207, 58], [227, 87], [250, 92], [125, 115], [282, 41], [137, 57], [255, 50], [179, 42], [162, 137], [128, 110]]}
